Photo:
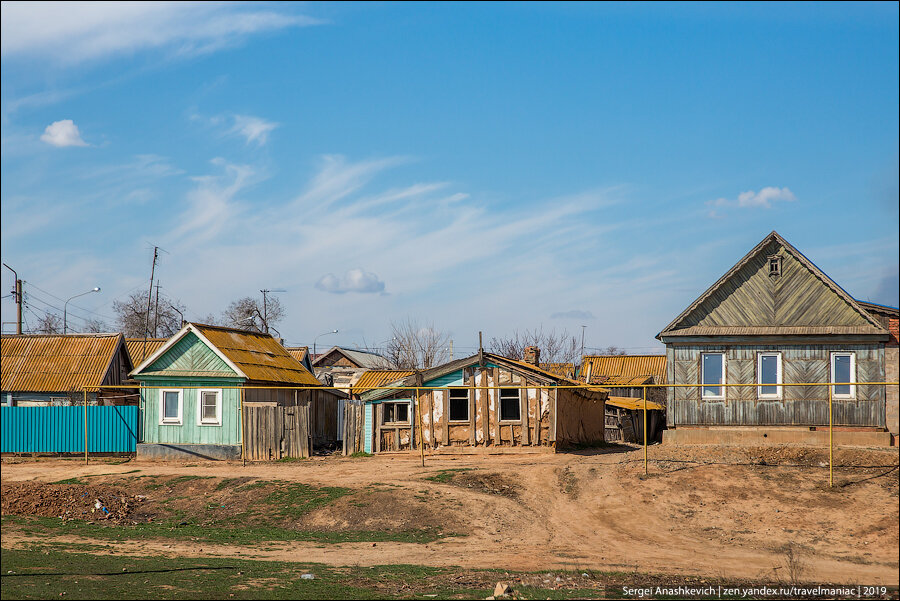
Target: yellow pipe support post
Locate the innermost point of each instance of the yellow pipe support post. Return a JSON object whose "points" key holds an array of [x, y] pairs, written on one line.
{"points": [[644, 397], [830, 438], [84, 390], [421, 428]]}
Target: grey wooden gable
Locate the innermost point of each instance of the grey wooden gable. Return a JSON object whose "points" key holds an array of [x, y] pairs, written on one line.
{"points": [[748, 301]]}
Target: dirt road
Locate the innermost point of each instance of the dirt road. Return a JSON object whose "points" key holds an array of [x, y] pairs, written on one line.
{"points": [[712, 511]]}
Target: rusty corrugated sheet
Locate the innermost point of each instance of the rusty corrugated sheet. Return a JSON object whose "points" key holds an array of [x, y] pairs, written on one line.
{"points": [[566, 370], [55, 363], [259, 356], [379, 377], [624, 369], [138, 351], [299, 353]]}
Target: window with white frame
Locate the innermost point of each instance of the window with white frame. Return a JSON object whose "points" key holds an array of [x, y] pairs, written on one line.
{"points": [[209, 407], [510, 410], [768, 375], [843, 374], [712, 375], [170, 406], [459, 404]]}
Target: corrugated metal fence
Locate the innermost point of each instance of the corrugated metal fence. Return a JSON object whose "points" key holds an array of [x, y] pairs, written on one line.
{"points": [[62, 429]]}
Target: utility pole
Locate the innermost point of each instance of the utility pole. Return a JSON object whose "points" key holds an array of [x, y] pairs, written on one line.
{"points": [[156, 311], [265, 313], [451, 349], [17, 293], [150, 298], [582, 340]]}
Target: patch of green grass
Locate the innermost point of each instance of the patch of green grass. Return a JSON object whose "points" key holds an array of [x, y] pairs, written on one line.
{"points": [[75, 480], [228, 483], [445, 476], [361, 454], [291, 459], [294, 499], [177, 527]]}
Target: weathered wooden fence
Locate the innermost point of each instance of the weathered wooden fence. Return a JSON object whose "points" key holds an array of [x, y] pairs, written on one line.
{"points": [[66, 429], [273, 431], [353, 427]]}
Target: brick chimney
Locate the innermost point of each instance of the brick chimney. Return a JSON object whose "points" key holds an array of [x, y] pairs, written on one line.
{"points": [[533, 355]]}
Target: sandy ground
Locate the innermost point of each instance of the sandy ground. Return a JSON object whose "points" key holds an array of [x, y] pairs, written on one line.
{"points": [[723, 512]]}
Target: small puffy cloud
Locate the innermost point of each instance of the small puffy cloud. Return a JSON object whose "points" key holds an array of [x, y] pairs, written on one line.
{"points": [[63, 133], [750, 199], [355, 280], [573, 314], [253, 129]]}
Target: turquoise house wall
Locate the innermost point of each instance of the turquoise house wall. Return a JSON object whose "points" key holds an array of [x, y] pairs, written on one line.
{"points": [[190, 355], [190, 431]]}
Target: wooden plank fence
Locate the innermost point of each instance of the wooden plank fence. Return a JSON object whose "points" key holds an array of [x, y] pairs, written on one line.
{"points": [[273, 431], [354, 421]]}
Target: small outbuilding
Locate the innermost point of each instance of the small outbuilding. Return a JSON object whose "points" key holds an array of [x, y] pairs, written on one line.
{"points": [[482, 402]]}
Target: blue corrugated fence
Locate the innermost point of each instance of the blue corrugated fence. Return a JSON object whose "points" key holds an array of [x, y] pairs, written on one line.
{"points": [[61, 429]]}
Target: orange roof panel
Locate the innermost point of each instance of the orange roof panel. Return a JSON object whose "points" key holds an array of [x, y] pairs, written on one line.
{"points": [[56, 363]]}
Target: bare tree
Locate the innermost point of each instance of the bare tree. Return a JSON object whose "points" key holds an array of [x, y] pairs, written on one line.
{"points": [[555, 348], [611, 350], [50, 323], [131, 316], [95, 326], [248, 314], [417, 347]]}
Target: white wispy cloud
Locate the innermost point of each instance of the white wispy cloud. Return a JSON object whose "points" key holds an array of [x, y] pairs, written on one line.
{"points": [[751, 199], [355, 280], [212, 205], [253, 129], [63, 133], [74, 32]]}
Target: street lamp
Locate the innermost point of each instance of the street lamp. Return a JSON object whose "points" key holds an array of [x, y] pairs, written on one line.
{"points": [[65, 305], [319, 336]]}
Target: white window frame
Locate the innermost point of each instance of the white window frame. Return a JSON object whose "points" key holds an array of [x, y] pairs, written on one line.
{"points": [[170, 421], [468, 406], [778, 377], [218, 420], [831, 370], [500, 405], [713, 397]]}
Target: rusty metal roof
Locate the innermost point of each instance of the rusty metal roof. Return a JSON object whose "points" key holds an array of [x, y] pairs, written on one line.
{"points": [[567, 370], [624, 369], [56, 363], [138, 351], [298, 352], [379, 377], [634, 404], [252, 355], [260, 357]]}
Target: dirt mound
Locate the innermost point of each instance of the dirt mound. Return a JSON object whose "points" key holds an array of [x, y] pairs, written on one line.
{"points": [[388, 511], [494, 484], [68, 501]]}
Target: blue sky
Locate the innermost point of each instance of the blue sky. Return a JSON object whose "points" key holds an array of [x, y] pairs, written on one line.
{"points": [[483, 167]]}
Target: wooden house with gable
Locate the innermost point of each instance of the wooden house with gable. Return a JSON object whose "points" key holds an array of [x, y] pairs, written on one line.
{"points": [[775, 319], [212, 392], [481, 402]]}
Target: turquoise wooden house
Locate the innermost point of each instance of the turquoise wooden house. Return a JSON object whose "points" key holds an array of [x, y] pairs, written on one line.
{"points": [[485, 400], [201, 396]]}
